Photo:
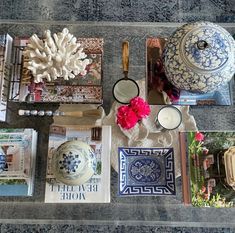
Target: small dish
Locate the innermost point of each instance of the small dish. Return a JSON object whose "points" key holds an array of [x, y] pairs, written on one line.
{"points": [[73, 163], [146, 171]]}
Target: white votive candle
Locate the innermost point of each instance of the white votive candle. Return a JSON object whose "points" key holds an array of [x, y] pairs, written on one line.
{"points": [[169, 117]]}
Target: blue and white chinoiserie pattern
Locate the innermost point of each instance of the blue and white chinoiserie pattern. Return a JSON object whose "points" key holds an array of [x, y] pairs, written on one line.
{"points": [[200, 57], [2, 160], [73, 163], [146, 171]]}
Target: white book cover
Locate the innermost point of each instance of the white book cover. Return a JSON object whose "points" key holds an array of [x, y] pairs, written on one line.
{"points": [[95, 190], [18, 150]]}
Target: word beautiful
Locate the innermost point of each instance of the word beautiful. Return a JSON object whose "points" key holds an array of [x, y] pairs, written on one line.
{"points": [[74, 192]]}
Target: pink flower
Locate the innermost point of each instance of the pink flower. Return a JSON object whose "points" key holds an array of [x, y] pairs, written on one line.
{"points": [[140, 107], [126, 117], [199, 137]]}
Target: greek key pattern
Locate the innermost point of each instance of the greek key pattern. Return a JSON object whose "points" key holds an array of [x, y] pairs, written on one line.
{"points": [[130, 188]]}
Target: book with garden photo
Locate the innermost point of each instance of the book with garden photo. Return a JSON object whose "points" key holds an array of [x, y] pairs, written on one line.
{"points": [[208, 168]]}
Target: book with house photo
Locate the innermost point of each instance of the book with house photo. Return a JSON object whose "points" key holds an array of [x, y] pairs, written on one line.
{"points": [[208, 168], [17, 165], [97, 188]]}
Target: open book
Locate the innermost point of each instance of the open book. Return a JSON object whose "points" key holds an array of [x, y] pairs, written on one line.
{"points": [[97, 188], [208, 168], [18, 156]]}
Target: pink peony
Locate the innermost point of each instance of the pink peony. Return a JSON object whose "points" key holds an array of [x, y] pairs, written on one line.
{"points": [[126, 117], [199, 137], [140, 107]]}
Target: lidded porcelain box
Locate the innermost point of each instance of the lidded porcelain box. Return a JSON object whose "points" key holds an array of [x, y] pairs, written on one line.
{"points": [[199, 57], [73, 163]]}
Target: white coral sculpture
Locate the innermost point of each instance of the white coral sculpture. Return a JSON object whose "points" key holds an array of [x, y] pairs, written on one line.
{"points": [[57, 56]]}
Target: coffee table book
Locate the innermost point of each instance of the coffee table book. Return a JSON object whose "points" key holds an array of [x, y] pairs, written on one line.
{"points": [[86, 89], [19, 147], [97, 188], [208, 168]]}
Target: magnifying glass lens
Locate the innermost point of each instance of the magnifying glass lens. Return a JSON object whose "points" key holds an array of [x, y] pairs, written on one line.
{"points": [[125, 90]]}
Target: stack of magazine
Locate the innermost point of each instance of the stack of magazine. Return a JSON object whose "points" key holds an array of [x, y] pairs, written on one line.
{"points": [[95, 190], [18, 148]]}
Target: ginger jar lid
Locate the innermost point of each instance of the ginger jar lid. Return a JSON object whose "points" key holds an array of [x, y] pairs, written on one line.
{"points": [[207, 47], [199, 57], [74, 163]]}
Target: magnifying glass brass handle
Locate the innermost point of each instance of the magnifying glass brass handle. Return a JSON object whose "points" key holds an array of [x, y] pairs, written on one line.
{"points": [[125, 57]]}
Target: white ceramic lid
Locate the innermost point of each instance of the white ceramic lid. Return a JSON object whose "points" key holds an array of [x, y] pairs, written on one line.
{"points": [[199, 57], [207, 47]]}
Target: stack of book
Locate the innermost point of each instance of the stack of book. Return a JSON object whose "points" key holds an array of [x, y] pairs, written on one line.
{"points": [[18, 147]]}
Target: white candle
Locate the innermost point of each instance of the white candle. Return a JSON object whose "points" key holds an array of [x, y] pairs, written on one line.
{"points": [[169, 117]]}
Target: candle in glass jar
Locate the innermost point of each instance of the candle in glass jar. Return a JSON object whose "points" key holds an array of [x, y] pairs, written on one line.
{"points": [[169, 117]]}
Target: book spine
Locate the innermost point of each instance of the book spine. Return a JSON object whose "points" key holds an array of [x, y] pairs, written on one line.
{"points": [[184, 168]]}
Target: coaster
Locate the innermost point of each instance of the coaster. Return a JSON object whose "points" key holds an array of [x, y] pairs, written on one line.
{"points": [[146, 171]]}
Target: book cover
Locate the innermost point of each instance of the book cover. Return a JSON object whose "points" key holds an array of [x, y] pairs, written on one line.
{"points": [[5, 63], [161, 91], [81, 89], [18, 156], [208, 168], [97, 189]]}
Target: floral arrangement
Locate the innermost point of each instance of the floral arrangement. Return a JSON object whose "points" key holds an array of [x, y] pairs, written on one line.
{"points": [[129, 115]]}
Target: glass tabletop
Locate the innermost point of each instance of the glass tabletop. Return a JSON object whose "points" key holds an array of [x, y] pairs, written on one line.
{"points": [[131, 210]]}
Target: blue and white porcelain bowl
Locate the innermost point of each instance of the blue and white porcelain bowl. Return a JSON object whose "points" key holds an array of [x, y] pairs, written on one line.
{"points": [[199, 57], [73, 163]]}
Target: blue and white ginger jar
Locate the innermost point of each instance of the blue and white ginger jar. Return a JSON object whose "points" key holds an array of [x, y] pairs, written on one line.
{"points": [[73, 163], [199, 57]]}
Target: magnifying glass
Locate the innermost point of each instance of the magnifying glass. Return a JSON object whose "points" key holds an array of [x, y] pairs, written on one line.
{"points": [[125, 89]]}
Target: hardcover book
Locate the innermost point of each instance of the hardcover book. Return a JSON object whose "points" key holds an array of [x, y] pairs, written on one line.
{"points": [[81, 89], [97, 188], [208, 168], [18, 156], [161, 91], [5, 63]]}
